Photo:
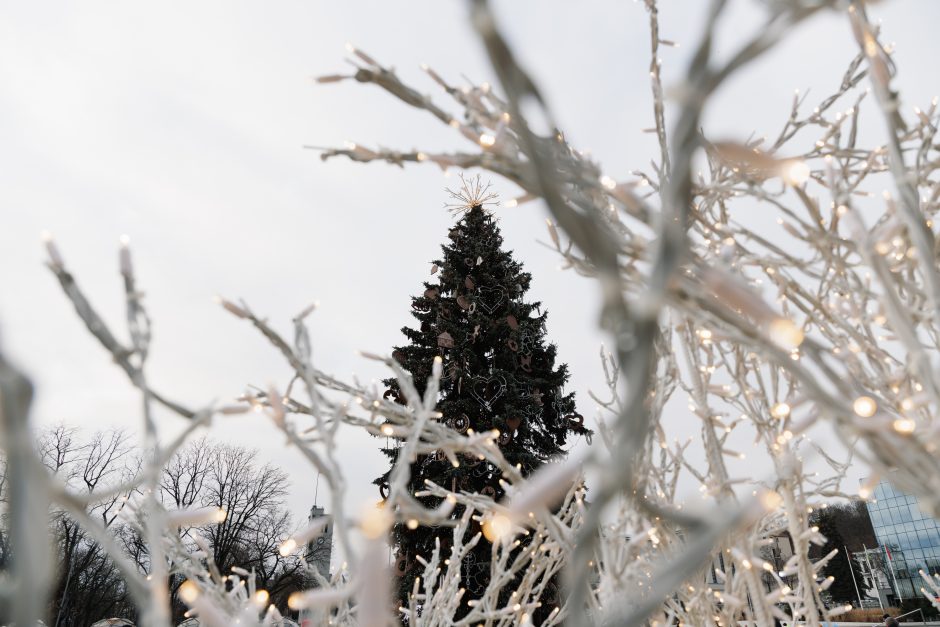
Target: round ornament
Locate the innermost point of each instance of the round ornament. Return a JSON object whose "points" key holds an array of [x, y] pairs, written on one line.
{"points": [[461, 423]]}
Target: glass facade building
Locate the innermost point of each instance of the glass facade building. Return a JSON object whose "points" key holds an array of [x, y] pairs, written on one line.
{"points": [[909, 539]]}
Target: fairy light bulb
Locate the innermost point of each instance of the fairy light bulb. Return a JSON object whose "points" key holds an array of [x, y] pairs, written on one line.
{"points": [[865, 406], [261, 598], [496, 527], [189, 592], [287, 547], [904, 426], [795, 172], [375, 522], [487, 140], [770, 500], [780, 410], [785, 333]]}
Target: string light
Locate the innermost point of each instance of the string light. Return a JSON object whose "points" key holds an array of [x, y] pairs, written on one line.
{"points": [[496, 527], [188, 592], [904, 426], [780, 411], [865, 406], [287, 547], [375, 522], [784, 333], [795, 172]]}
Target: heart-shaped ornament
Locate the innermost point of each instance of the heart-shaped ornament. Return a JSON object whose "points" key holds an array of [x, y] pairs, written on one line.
{"points": [[487, 389], [490, 298]]}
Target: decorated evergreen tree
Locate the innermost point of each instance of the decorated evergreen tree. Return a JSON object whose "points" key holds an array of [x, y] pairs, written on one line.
{"points": [[498, 373]]}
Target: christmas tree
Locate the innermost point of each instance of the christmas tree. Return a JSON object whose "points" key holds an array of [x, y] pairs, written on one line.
{"points": [[499, 373]]}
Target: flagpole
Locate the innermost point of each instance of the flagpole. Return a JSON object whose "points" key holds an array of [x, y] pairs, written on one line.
{"points": [[848, 556], [897, 590]]}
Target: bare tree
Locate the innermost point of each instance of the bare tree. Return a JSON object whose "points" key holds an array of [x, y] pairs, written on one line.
{"points": [[86, 586], [229, 478]]}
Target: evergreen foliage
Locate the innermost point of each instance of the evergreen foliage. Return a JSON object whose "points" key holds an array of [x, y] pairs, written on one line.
{"points": [[499, 373]]}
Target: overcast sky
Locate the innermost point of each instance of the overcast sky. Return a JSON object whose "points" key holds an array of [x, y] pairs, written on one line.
{"points": [[182, 126]]}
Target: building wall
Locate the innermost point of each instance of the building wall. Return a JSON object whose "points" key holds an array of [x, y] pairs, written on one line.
{"points": [[909, 538]]}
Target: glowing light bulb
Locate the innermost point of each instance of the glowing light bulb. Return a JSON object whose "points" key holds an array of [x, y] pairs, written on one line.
{"points": [[771, 500], [784, 333], [261, 598], [287, 547], [375, 522], [497, 527], [780, 411], [189, 592], [904, 425], [795, 172], [487, 140], [220, 515], [865, 406]]}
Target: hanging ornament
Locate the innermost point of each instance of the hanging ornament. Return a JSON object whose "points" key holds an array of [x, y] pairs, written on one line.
{"points": [[526, 341], [489, 491], [398, 356], [463, 302], [513, 345], [479, 260], [558, 400], [445, 340], [434, 268], [487, 389], [532, 413], [537, 396], [468, 283], [576, 421], [461, 423], [512, 322], [384, 490], [513, 422], [525, 362], [402, 565], [431, 293], [490, 298], [470, 461], [450, 371]]}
